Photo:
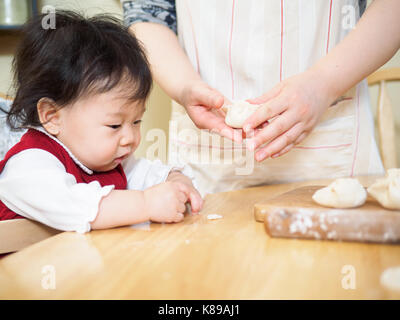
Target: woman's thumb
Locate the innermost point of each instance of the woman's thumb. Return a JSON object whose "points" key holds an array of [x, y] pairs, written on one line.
{"points": [[211, 98]]}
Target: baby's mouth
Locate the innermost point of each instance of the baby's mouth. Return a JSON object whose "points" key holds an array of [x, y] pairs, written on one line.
{"points": [[120, 159]]}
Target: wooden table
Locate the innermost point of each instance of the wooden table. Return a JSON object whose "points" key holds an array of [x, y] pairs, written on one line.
{"points": [[229, 258]]}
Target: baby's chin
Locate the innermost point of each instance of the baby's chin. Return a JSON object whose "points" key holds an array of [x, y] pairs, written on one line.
{"points": [[103, 168]]}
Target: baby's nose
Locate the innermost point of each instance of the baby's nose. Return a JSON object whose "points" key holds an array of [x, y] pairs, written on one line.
{"points": [[129, 137]]}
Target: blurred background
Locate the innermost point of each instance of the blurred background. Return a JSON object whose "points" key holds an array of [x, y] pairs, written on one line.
{"points": [[159, 106]]}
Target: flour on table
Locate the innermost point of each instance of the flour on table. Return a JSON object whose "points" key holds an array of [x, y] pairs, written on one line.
{"points": [[141, 226], [214, 216]]}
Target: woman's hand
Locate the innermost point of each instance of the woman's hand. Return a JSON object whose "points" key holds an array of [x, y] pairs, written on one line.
{"points": [[203, 105], [294, 107]]}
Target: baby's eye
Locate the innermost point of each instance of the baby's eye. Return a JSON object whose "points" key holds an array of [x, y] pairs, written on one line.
{"points": [[114, 126], [137, 122]]}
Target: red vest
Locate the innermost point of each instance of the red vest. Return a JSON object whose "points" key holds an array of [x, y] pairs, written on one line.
{"points": [[34, 139]]}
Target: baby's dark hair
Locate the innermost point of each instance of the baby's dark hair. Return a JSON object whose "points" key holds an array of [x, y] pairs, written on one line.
{"points": [[80, 56]]}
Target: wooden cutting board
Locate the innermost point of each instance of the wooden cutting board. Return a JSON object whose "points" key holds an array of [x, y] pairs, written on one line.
{"points": [[295, 215]]}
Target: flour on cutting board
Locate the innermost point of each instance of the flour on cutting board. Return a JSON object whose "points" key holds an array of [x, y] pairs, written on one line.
{"points": [[301, 222], [293, 215], [330, 224], [306, 222]]}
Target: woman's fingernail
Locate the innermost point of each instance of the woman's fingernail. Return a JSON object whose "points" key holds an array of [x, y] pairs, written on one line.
{"points": [[247, 128], [261, 155]]}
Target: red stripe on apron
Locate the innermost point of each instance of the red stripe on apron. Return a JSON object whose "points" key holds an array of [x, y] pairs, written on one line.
{"points": [[280, 67], [210, 146], [230, 50], [194, 38], [324, 147], [329, 26], [357, 131]]}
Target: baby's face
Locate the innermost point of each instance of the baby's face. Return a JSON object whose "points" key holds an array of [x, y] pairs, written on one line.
{"points": [[102, 129]]}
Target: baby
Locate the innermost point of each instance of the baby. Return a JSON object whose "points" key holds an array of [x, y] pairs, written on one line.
{"points": [[81, 90]]}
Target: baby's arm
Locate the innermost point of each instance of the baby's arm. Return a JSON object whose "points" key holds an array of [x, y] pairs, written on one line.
{"points": [[119, 208], [35, 185], [143, 174], [156, 192], [164, 202]]}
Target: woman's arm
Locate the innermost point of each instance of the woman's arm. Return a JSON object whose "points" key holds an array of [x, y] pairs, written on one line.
{"points": [[175, 74], [374, 40], [169, 64], [299, 102]]}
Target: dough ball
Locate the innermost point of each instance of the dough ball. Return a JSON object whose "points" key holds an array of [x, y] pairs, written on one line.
{"points": [[238, 112], [341, 193], [390, 280], [387, 190]]}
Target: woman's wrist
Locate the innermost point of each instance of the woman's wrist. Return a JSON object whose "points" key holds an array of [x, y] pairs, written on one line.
{"points": [[326, 82], [185, 95]]}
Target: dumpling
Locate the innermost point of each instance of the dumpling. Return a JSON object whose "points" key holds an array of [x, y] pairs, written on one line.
{"points": [[341, 193], [238, 112], [387, 190]]}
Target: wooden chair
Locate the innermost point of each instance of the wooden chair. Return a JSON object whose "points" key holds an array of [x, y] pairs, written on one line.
{"points": [[4, 96], [20, 233], [385, 118]]}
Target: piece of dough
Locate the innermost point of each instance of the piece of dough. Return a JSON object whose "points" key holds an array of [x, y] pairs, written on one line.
{"points": [[390, 279], [341, 193], [387, 190], [214, 216], [238, 112]]}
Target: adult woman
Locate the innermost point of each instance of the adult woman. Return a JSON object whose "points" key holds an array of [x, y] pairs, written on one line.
{"points": [[297, 58]]}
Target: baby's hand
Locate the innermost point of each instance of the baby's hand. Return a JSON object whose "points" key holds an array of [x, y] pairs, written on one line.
{"points": [[165, 202], [195, 198]]}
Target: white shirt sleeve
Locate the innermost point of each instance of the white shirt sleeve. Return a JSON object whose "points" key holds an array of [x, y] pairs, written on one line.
{"points": [[35, 185], [142, 173]]}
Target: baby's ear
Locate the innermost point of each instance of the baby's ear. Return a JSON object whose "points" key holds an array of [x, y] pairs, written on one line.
{"points": [[49, 116]]}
